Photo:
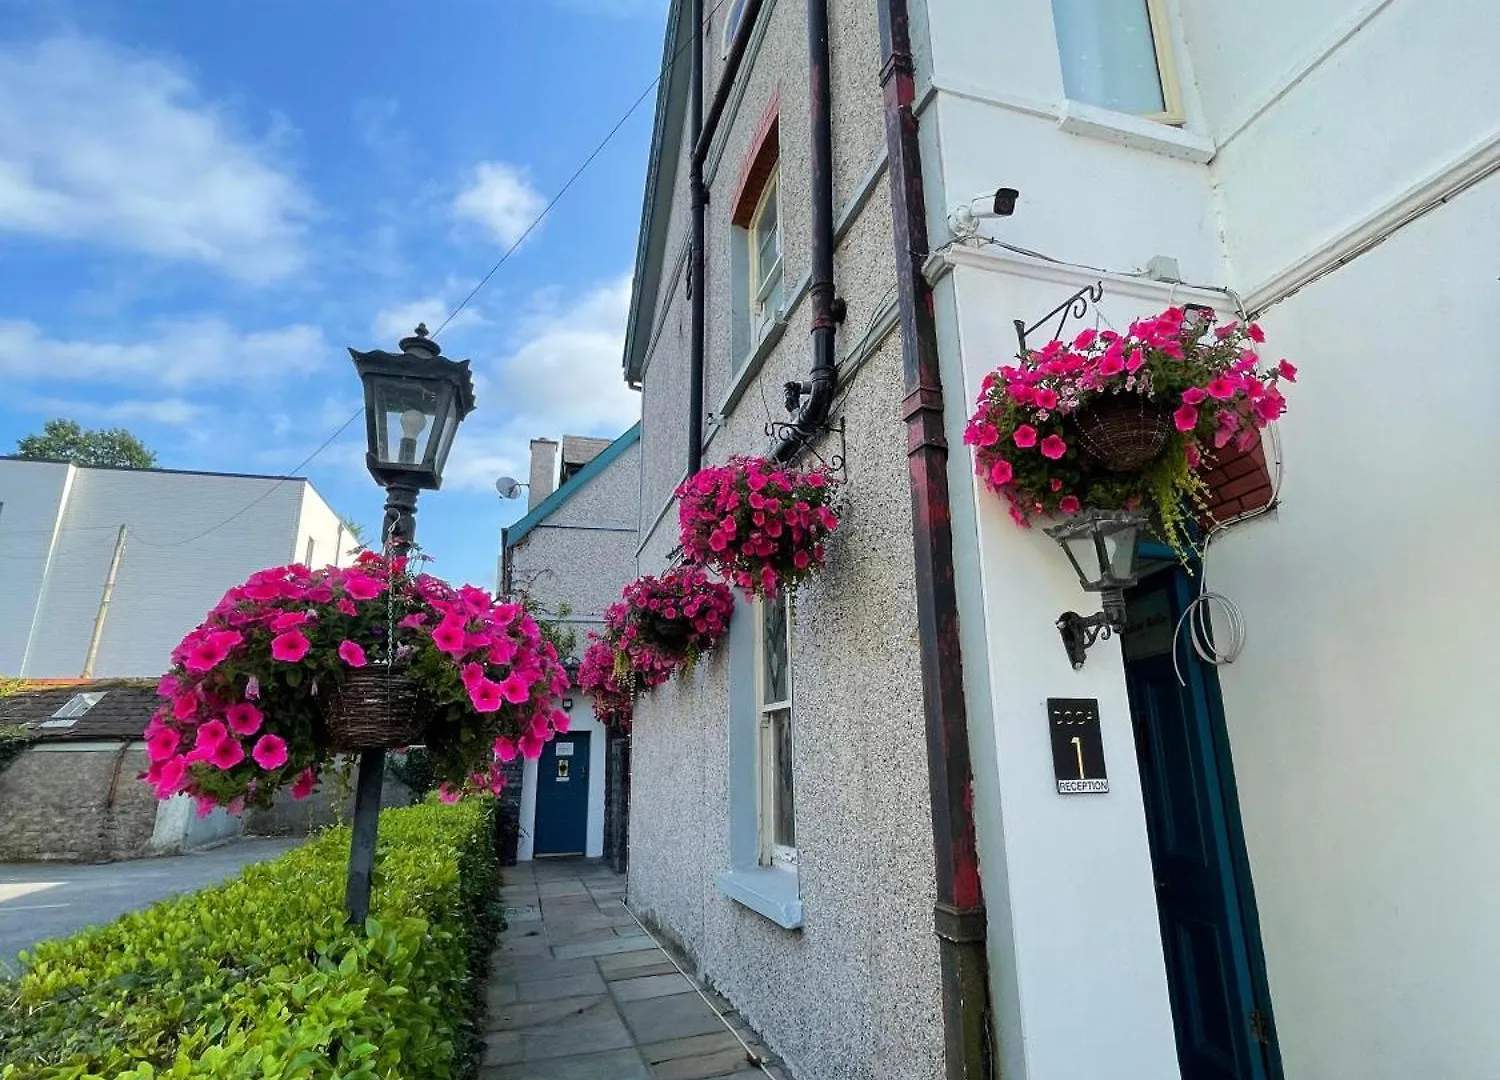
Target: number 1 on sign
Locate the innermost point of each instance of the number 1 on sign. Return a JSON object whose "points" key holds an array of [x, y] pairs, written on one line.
{"points": [[1078, 749]]}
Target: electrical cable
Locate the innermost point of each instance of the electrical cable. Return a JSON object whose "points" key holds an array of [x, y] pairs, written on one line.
{"points": [[1219, 649]]}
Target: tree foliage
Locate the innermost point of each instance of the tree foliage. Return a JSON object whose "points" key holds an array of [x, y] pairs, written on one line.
{"points": [[65, 440]]}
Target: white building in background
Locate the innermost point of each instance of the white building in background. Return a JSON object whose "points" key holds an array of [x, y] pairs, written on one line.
{"points": [[103, 570]]}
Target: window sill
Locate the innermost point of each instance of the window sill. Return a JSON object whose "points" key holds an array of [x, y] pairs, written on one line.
{"points": [[1132, 131], [766, 890], [741, 380]]}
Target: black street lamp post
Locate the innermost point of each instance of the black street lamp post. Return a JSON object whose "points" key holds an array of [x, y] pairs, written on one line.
{"points": [[414, 402]]}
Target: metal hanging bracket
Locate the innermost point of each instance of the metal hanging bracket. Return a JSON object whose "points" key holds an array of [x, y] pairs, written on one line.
{"points": [[788, 429], [1074, 307]]}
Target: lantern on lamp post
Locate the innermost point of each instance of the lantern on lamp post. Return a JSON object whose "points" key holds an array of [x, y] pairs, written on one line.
{"points": [[1101, 545], [414, 402]]}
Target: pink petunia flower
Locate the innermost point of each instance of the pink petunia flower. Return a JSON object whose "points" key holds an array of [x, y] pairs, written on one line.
{"points": [[270, 752], [561, 721], [505, 749], [184, 706], [171, 777], [361, 586], [1287, 371], [515, 689], [1193, 395], [1255, 333], [1221, 389], [227, 754], [531, 747], [471, 674], [1025, 436], [289, 620], [206, 805], [1001, 472], [306, 781], [351, 653], [1053, 447], [485, 695], [1068, 504], [243, 718], [1045, 398], [163, 745], [1186, 418], [448, 636], [212, 734], [290, 647]]}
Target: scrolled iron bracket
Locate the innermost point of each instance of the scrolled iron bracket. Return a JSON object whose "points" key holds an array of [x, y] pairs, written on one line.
{"points": [[787, 430], [1074, 307]]}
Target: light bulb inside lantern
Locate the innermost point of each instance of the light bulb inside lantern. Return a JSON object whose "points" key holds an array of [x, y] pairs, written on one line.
{"points": [[412, 423]]}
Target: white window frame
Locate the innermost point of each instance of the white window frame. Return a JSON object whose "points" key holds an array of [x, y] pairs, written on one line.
{"points": [[763, 286], [1166, 65], [772, 854]]}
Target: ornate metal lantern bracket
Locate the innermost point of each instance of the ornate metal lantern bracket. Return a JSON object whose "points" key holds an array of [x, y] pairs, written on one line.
{"points": [[1074, 307]]}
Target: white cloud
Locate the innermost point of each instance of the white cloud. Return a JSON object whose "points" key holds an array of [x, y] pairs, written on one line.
{"points": [[174, 353], [500, 199], [100, 144], [562, 377], [169, 411]]}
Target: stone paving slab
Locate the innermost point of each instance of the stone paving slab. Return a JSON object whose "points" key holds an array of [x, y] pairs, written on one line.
{"points": [[578, 992], [650, 986]]}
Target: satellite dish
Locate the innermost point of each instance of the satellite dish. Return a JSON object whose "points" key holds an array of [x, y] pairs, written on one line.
{"points": [[508, 487]]}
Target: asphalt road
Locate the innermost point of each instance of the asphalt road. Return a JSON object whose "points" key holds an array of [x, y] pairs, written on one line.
{"points": [[46, 900]]}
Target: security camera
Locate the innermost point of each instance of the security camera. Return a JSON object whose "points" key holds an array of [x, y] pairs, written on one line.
{"points": [[964, 221]]}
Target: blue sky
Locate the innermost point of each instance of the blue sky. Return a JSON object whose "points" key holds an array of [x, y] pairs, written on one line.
{"points": [[203, 204]]}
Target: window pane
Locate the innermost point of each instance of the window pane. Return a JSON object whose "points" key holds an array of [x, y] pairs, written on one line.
{"points": [[1108, 54], [785, 821], [775, 679]]}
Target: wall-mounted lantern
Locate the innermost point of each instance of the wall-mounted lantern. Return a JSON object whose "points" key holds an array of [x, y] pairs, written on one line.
{"points": [[1101, 545]]}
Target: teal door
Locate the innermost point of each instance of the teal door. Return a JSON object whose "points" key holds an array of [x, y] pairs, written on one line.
{"points": [[1210, 937], [562, 796]]}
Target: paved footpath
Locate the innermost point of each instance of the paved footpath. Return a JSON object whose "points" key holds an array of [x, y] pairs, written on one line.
{"points": [[578, 991]]}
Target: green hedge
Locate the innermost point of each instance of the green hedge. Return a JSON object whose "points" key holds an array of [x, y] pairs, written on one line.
{"points": [[261, 977]]}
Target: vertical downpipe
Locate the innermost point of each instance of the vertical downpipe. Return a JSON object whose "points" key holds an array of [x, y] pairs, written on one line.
{"points": [[698, 197], [959, 914], [104, 599]]}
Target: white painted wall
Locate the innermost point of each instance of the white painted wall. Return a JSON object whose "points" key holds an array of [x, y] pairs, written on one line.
{"points": [[1075, 946], [583, 719], [63, 524], [1361, 714]]}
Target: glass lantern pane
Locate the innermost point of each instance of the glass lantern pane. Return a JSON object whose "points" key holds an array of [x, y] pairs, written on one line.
{"points": [[1120, 547], [1085, 555], [405, 410], [443, 442]]}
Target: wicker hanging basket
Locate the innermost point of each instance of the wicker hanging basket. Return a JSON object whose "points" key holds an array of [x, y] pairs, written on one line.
{"points": [[1124, 432], [376, 708], [673, 630]]}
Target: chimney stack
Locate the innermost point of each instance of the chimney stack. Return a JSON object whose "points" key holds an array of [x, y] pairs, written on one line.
{"points": [[543, 479]]}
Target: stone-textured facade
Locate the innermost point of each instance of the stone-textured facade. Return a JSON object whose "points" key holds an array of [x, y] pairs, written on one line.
{"points": [[853, 994], [79, 803]]}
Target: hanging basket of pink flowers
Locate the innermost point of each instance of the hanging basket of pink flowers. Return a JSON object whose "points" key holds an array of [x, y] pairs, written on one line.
{"points": [[614, 704], [670, 621], [296, 666], [1122, 421], [762, 526]]}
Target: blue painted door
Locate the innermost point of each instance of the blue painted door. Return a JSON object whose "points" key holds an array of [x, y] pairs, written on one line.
{"points": [[1215, 970], [562, 796]]}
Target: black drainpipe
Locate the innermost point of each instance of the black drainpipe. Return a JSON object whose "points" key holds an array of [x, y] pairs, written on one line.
{"points": [[701, 135], [827, 310], [959, 915]]}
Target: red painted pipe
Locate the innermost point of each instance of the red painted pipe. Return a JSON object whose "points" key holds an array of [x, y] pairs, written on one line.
{"points": [[959, 915]]}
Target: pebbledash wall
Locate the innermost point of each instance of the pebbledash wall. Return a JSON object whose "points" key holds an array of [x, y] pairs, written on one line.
{"points": [[59, 526], [576, 548], [854, 992], [1325, 174]]}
